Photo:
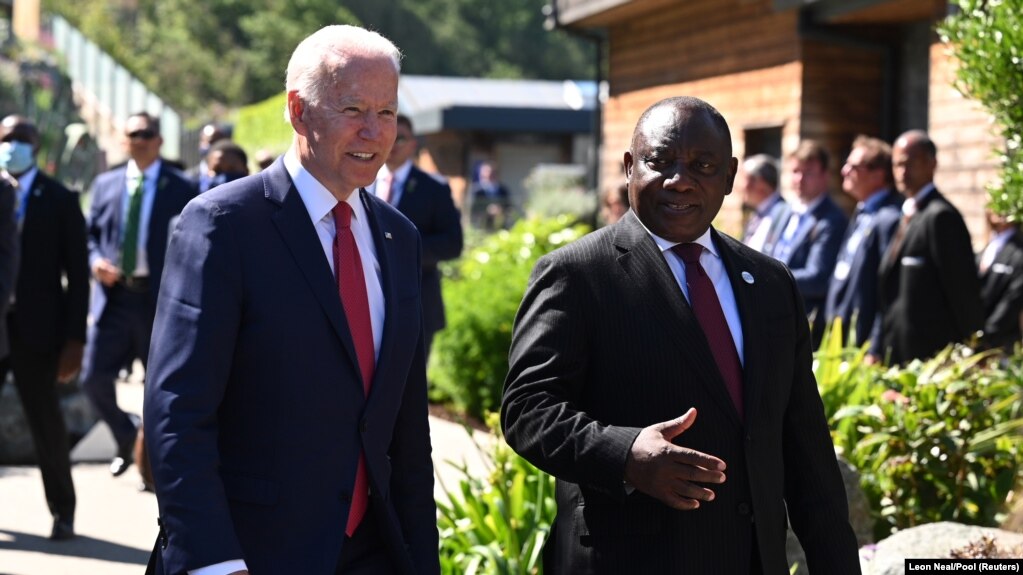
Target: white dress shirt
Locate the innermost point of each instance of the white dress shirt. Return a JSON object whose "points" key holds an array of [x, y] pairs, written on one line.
{"points": [[715, 268], [398, 179]]}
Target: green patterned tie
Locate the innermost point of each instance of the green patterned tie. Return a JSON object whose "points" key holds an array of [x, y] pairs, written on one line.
{"points": [[131, 231]]}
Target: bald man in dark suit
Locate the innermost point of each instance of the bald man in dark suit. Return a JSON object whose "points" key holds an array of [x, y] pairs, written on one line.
{"points": [[661, 371]]}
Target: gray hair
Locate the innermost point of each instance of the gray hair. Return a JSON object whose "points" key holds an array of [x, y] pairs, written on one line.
{"points": [[317, 61], [764, 167]]}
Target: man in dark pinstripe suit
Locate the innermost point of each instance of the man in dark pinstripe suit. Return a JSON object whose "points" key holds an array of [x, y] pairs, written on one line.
{"points": [[674, 454]]}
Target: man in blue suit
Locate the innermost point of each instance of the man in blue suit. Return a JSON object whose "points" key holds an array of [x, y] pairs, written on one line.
{"points": [[285, 409], [131, 209], [427, 203], [852, 295], [811, 235]]}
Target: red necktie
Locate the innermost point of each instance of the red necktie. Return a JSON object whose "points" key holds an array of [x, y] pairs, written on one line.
{"points": [[351, 284], [704, 301]]}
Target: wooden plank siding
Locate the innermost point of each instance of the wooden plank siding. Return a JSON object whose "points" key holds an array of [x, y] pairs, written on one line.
{"points": [[965, 137]]}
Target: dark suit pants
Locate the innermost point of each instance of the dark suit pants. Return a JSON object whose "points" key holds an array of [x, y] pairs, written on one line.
{"points": [[120, 336], [35, 377]]}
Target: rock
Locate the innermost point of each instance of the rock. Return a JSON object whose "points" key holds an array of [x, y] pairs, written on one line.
{"points": [[859, 517], [931, 541], [16, 447]]}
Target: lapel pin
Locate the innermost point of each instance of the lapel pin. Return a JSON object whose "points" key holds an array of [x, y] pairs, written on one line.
{"points": [[387, 235], [747, 277]]}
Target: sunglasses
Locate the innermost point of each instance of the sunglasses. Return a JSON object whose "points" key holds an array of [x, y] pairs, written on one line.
{"points": [[146, 134]]}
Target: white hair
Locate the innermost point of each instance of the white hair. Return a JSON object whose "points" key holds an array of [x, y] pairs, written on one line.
{"points": [[318, 60]]}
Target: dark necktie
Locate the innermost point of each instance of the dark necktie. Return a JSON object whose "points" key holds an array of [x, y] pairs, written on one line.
{"points": [[129, 247], [704, 301], [352, 286]]}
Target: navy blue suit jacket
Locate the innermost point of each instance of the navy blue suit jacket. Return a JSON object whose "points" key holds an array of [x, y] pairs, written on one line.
{"points": [[254, 410], [853, 292], [814, 249], [428, 204], [173, 191]]}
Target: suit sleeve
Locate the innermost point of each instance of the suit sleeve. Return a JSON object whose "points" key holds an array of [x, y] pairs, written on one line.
{"points": [[814, 493], [442, 238], [952, 254], [9, 250], [540, 413], [813, 278], [94, 234], [75, 263], [197, 321], [412, 469]]}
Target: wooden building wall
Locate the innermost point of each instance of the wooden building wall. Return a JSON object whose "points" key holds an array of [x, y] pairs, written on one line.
{"points": [[965, 137], [738, 55]]}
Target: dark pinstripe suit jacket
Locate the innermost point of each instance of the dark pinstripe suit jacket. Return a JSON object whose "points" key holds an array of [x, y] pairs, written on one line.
{"points": [[604, 345]]}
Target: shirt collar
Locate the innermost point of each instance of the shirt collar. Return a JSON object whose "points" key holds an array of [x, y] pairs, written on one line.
{"points": [[871, 204], [319, 202], [150, 173], [800, 208], [400, 175], [665, 245]]}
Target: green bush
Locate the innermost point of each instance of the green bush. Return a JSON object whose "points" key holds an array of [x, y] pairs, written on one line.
{"points": [[986, 36], [936, 440], [482, 293], [262, 126], [497, 525]]}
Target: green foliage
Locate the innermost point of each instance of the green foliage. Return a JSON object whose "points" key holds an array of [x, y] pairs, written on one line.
{"points": [[262, 126], [986, 36], [936, 440], [470, 357], [497, 525], [203, 56]]}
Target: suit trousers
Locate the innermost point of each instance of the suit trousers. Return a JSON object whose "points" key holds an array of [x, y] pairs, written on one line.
{"points": [[366, 552], [121, 335], [35, 377]]}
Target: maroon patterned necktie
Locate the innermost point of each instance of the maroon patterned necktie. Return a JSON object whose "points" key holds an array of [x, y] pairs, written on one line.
{"points": [[704, 301], [351, 284]]}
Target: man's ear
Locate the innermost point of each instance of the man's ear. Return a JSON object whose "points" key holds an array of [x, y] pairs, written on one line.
{"points": [[296, 108], [627, 162], [733, 167]]}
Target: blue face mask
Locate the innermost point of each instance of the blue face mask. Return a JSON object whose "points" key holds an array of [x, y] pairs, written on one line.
{"points": [[16, 157], [225, 177]]}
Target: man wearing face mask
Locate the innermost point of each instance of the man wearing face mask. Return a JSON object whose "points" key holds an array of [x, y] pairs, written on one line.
{"points": [[208, 136], [46, 320]]}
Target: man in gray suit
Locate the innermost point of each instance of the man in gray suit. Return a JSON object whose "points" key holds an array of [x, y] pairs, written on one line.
{"points": [[624, 336]]}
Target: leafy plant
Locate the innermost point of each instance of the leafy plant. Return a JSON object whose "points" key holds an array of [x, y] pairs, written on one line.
{"points": [[470, 357], [497, 525], [986, 36], [935, 440]]}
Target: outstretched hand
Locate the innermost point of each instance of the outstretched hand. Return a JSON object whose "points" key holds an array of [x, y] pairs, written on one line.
{"points": [[671, 473]]}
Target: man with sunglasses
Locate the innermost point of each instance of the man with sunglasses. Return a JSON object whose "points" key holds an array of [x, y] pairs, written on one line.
{"points": [[427, 202], [131, 209]]}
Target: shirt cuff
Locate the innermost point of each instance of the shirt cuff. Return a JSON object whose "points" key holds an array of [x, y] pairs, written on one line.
{"points": [[225, 568]]}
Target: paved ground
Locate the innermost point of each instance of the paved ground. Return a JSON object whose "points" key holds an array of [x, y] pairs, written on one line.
{"points": [[115, 523]]}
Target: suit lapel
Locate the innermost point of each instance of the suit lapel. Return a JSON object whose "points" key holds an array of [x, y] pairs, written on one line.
{"points": [[386, 257], [645, 265], [747, 300], [292, 221]]}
